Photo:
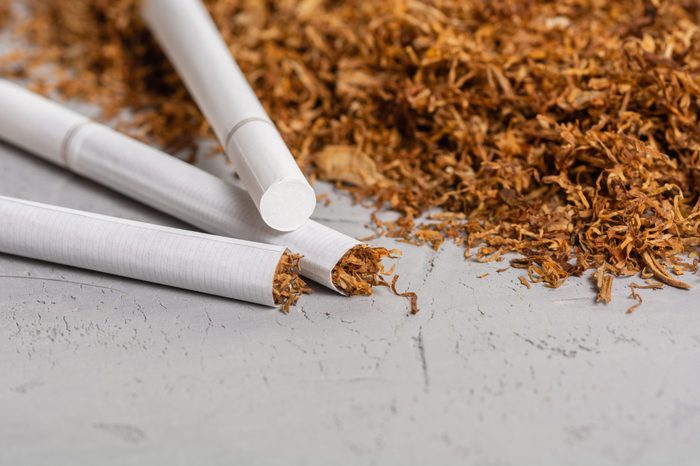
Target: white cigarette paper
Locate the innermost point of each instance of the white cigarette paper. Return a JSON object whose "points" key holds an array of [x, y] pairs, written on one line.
{"points": [[147, 175], [189, 37], [168, 256]]}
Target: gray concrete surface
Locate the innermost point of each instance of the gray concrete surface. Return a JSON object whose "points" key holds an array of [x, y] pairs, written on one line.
{"points": [[96, 369]]}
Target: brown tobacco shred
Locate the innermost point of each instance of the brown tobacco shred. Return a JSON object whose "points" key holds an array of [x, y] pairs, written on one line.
{"points": [[412, 297], [288, 286], [651, 285], [661, 274], [636, 296], [564, 131]]}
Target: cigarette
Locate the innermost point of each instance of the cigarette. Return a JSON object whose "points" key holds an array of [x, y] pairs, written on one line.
{"points": [[258, 273], [155, 178], [189, 37]]}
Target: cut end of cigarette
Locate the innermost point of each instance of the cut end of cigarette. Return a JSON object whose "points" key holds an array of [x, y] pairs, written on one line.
{"points": [[288, 286], [360, 270], [287, 205]]}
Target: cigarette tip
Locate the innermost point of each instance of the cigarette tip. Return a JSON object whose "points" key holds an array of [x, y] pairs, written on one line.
{"points": [[288, 204]]}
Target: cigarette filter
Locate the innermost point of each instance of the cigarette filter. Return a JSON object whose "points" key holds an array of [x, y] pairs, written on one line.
{"points": [[258, 273], [147, 175], [189, 37]]}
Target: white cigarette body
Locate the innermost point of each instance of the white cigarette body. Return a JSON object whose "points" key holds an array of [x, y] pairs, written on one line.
{"points": [[147, 175], [168, 256], [189, 37]]}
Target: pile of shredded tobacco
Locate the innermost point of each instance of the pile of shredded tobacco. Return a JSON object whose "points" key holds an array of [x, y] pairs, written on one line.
{"points": [[565, 131], [4, 12], [288, 286]]}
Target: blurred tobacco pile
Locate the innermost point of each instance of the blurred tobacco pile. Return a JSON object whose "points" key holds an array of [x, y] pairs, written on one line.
{"points": [[4, 12], [566, 131]]}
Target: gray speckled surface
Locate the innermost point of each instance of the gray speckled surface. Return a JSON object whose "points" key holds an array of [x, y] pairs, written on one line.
{"points": [[96, 369], [103, 370]]}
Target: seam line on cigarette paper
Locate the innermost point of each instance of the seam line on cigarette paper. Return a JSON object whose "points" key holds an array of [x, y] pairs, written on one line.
{"points": [[148, 226], [68, 139], [240, 124]]}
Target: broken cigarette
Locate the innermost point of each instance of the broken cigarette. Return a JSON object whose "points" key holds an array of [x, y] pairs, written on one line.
{"points": [[267, 169], [147, 175], [258, 273]]}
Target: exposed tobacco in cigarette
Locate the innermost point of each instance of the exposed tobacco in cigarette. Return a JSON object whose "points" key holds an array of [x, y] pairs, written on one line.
{"points": [[288, 286], [564, 131], [359, 270]]}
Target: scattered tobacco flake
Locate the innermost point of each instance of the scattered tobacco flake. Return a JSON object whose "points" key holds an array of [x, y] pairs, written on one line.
{"points": [[524, 282], [288, 286], [566, 132]]}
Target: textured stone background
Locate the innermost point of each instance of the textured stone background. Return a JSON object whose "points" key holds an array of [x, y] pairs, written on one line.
{"points": [[96, 369]]}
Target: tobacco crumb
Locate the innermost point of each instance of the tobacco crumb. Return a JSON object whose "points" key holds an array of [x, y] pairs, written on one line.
{"points": [[483, 275], [523, 281], [604, 283], [288, 286], [323, 199], [565, 132]]}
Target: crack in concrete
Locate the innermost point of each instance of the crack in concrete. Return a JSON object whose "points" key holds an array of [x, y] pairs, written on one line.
{"points": [[420, 347], [127, 433], [21, 277]]}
